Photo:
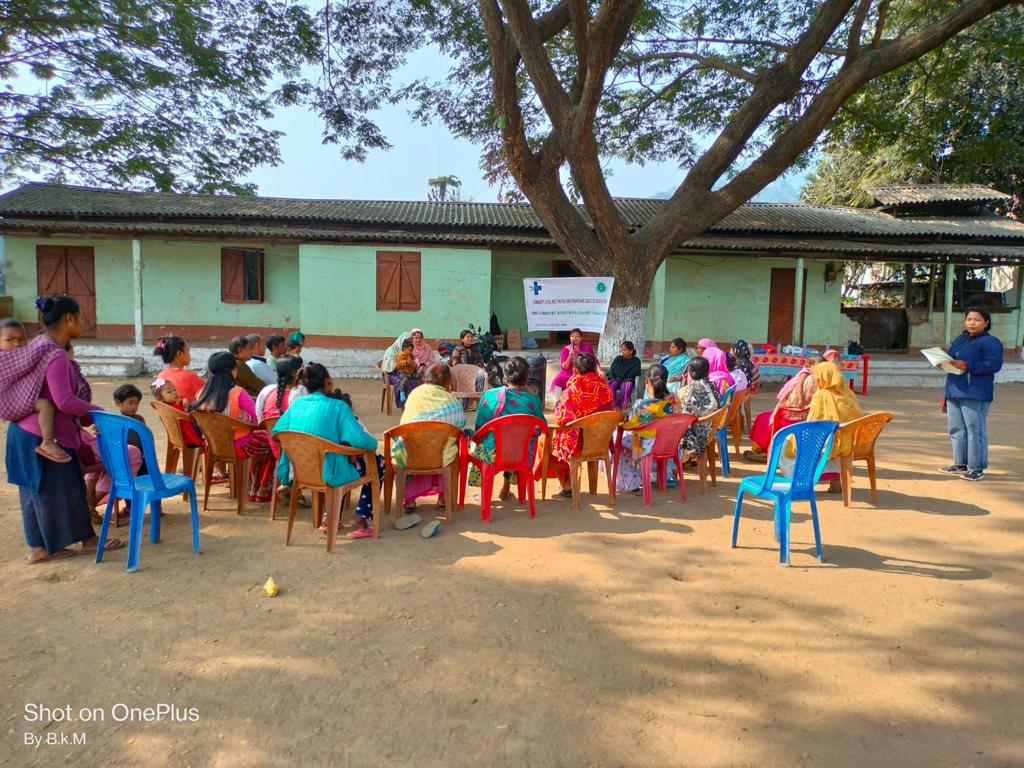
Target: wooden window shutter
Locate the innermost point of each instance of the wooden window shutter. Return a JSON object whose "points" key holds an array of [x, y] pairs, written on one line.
{"points": [[232, 263], [389, 291], [410, 282]]}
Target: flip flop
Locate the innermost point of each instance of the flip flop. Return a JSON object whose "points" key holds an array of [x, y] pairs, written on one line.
{"points": [[406, 521], [562, 495], [60, 554], [360, 533], [109, 546], [61, 457], [430, 529]]}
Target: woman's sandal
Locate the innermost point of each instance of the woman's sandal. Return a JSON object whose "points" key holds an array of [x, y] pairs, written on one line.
{"points": [[360, 533], [60, 554], [109, 546], [60, 456]]}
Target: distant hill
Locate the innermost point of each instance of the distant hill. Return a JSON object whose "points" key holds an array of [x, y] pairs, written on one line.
{"points": [[785, 189]]}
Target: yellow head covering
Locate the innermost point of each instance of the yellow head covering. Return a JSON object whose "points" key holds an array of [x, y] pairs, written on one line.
{"points": [[834, 401]]}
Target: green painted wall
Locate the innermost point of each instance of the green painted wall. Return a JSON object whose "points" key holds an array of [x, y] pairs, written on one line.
{"points": [[113, 276], [338, 285], [181, 285], [727, 298]]}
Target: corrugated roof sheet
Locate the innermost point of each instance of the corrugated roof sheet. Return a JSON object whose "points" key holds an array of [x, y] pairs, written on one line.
{"points": [[58, 202], [923, 194], [959, 253]]}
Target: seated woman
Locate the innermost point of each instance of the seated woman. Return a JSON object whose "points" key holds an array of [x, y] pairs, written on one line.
{"points": [[576, 346], [700, 398], [705, 344], [656, 403], [586, 392], [675, 363], [325, 413], [175, 353], [719, 370], [431, 401], [794, 399], [510, 399], [625, 368], [274, 399], [423, 353], [742, 352], [223, 395], [834, 401], [465, 353]]}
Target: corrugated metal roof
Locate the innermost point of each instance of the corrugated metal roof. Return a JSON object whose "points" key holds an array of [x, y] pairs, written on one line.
{"points": [[923, 194], [59, 201], [959, 253]]}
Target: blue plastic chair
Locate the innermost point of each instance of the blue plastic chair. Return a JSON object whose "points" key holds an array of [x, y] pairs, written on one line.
{"points": [[142, 492], [813, 445], [722, 435]]}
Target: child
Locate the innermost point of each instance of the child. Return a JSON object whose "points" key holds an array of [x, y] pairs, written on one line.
{"points": [[405, 369], [294, 344], [165, 392], [127, 398], [13, 336]]}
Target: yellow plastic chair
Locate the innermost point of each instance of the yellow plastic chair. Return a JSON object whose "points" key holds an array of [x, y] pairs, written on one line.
{"points": [[596, 445]]}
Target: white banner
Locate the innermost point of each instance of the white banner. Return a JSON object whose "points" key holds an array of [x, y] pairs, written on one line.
{"points": [[564, 303]]}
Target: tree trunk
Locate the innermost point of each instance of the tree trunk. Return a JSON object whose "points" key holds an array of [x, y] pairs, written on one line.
{"points": [[627, 311]]}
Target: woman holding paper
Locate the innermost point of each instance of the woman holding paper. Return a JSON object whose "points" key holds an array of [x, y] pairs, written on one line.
{"points": [[979, 356]]}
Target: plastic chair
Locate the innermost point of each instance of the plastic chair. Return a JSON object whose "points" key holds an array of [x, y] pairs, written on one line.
{"points": [[596, 444], [513, 436], [717, 421], [387, 396], [668, 434], [735, 419], [219, 431], [813, 443], [268, 424], [425, 442], [720, 432], [857, 439], [172, 419], [142, 492], [307, 453], [464, 379]]}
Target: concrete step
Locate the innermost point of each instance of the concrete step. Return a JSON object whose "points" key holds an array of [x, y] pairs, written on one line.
{"points": [[111, 367]]}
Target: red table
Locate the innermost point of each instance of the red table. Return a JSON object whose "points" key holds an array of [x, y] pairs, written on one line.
{"points": [[775, 364]]}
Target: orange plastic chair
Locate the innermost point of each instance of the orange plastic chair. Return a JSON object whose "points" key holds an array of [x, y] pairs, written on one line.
{"points": [[717, 421], [306, 453], [735, 418], [219, 431], [425, 442], [387, 396], [268, 424], [860, 436], [668, 434], [512, 438], [464, 381], [171, 419], [596, 445]]}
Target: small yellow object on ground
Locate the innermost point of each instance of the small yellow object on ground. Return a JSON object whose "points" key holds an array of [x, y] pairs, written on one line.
{"points": [[270, 587]]}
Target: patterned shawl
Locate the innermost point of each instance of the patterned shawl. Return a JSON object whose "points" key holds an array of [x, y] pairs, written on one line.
{"points": [[741, 351], [585, 393], [22, 372], [646, 411], [429, 402]]}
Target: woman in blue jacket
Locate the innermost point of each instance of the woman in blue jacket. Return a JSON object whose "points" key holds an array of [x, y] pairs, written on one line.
{"points": [[969, 394]]}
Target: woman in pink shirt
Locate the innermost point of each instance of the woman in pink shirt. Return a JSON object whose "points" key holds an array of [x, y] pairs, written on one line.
{"points": [[54, 510]]}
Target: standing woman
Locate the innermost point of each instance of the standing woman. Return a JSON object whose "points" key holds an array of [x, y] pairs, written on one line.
{"points": [[54, 509], [979, 356], [174, 351]]}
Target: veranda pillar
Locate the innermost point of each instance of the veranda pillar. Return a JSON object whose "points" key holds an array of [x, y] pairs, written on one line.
{"points": [[137, 290]]}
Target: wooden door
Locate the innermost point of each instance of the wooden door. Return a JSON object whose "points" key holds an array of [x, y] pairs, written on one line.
{"points": [[780, 306], [69, 270]]}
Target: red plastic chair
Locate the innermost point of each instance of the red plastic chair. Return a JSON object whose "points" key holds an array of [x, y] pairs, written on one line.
{"points": [[668, 434], [512, 438]]}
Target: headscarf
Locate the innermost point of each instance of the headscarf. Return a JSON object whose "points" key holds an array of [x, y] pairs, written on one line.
{"points": [[831, 356], [719, 368], [424, 353], [387, 363], [792, 384], [741, 351], [297, 337], [834, 401], [707, 344]]}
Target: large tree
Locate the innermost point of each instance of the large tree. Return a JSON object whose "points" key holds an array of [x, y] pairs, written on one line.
{"points": [[164, 94], [734, 90], [956, 116]]}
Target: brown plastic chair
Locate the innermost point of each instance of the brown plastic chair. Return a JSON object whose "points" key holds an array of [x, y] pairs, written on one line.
{"points": [[219, 431], [171, 418], [717, 421], [735, 418], [464, 381], [306, 453], [597, 432], [268, 424], [387, 396], [860, 435], [425, 442]]}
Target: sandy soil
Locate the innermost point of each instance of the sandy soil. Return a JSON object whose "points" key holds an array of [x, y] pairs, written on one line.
{"points": [[617, 636]]}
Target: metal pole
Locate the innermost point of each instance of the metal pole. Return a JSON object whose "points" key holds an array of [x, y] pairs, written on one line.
{"points": [[932, 269], [798, 303], [950, 278], [1020, 311], [137, 285]]}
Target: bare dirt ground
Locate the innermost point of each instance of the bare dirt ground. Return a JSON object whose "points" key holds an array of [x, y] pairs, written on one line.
{"points": [[608, 637]]}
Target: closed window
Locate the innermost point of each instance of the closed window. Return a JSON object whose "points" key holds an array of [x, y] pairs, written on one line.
{"points": [[398, 281], [241, 276]]}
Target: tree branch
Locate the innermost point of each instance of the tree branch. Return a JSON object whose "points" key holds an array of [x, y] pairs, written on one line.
{"points": [[856, 29], [883, 10], [706, 62]]}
